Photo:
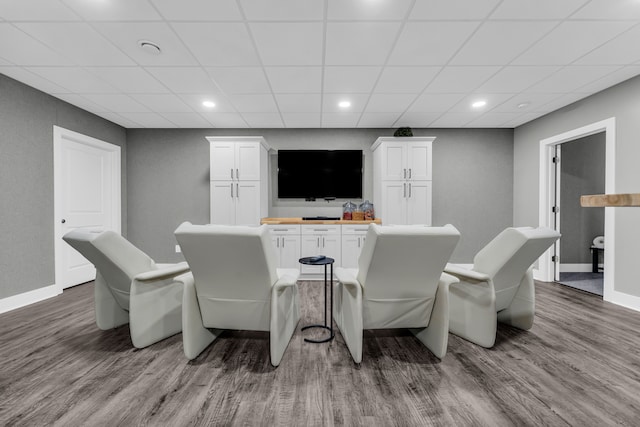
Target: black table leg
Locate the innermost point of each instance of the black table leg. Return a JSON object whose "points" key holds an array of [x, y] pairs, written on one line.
{"points": [[324, 326]]}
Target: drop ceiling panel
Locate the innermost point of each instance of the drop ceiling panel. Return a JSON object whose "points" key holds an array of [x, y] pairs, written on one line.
{"points": [[489, 46], [359, 43], [195, 102], [233, 80], [571, 78], [299, 103], [492, 100], [162, 103], [301, 120], [129, 79], [452, 9], [389, 102], [225, 120], [356, 10], [538, 9], [350, 79], [434, 102], [198, 10], [522, 119], [372, 120], [405, 79], [531, 101], [114, 10], [127, 35], [609, 9], [116, 103], [430, 43], [492, 120], [22, 49], [187, 120], [36, 10], [569, 41], [254, 103], [82, 102], [454, 120], [222, 44], [74, 79], [184, 79], [340, 120], [516, 79], [416, 119], [563, 101], [263, 120], [288, 43], [283, 10], [622, 50], [460, 79], [612, 79], [149, 120], [32, 80], [122, 121], [295, 79]]}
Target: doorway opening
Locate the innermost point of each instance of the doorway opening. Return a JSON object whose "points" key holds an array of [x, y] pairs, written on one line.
{"points": [[580, 169], [549, 264]]}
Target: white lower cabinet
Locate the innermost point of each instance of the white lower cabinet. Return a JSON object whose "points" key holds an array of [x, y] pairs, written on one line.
{"points": [[286, 240], [320, 240], [353, 237]]}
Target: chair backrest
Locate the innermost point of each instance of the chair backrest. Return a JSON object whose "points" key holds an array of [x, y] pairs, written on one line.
{"points": [[404, 261], [228, 261], [509, 255], [115, 258]]}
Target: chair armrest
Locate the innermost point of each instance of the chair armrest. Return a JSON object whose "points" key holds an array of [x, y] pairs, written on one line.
{"points": [[463, 273], [285, 281], [447, 280], [163, 273], [346, 277]]}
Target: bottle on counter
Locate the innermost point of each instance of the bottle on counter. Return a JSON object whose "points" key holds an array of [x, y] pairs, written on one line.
{"points": [[367, 208], [347, 210]]}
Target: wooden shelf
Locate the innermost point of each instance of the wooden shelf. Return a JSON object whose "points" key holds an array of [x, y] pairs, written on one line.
{"points": [[604, 200], [314, 221]]}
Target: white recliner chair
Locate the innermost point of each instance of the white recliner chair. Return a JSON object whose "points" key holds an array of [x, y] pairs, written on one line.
{"points": [[398, 284], [235, 285], [499, 287], [130, 287]]}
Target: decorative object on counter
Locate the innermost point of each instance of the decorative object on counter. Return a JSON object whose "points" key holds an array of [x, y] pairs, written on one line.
{"points": [[405, 131], [367, 209], [347, 210], [357, 215]]}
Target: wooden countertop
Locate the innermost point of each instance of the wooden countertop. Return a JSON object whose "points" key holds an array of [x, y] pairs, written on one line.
{"points": [[603, 200], [276, 221]]}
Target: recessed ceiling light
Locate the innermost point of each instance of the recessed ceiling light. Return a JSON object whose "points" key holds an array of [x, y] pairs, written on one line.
{"points": [[209, 104], [149, 47], [479, 104], [344, 104], [524, 104]]}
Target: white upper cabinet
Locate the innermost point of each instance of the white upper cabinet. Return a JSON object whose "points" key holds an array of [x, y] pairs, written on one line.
{"points": [[399, 159], [237, 158]]}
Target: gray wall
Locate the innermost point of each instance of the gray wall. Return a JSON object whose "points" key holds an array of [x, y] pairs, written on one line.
{"points": [[168, 180], [27, 117], [621, 102], [582, 172]]}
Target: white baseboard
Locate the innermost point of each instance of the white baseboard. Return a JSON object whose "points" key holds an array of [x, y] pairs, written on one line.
{"points": [[26, 298], [576, 268]]}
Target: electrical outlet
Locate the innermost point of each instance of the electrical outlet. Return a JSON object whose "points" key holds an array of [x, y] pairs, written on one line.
{"points": [[178, 250]]}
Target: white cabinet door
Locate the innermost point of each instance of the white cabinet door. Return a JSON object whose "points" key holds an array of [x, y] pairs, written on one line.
{"points": [[331, 245], [222, 161], [247, 167], [247, 201], [310, 246], [419, 161], [419, 202], [394, 202], [222, 202], [275, 240], [289, 251], [351, 247], [393, 161]]}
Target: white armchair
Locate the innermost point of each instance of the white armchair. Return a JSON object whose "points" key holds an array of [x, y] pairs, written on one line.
{"points": [[235, 285], [499, 287], [130, 287], [398, 284]]}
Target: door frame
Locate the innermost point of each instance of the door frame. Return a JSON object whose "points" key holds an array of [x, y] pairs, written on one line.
{"points": [[547, 195], [114, 151]]}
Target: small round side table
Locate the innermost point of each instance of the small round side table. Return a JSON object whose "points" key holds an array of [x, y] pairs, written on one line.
{"points": [[326, 261]]}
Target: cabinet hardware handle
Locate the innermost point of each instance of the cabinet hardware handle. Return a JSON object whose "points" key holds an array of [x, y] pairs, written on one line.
{"points": [[404, 190], [280, 229], [231, 173], [237, 190], [409, 189], [404, 173], [283, 242], [323, 242], [318, 244], [278, 242], [232, 190], [409, 173], [358, 242], [237, 174], [320, 229]]}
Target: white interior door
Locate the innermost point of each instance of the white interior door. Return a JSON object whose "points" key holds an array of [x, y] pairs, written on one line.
{"points": [[87, 195]]}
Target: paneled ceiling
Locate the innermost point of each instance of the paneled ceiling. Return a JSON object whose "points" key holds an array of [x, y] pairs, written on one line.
{"points": [[290, 63]]}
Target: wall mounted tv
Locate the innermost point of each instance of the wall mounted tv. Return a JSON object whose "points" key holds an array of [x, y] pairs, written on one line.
{"points": [[319, 174]]}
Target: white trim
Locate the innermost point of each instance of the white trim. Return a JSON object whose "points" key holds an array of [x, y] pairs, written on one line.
{"points": [[545, 195], [26, 298], [59, 134], [577, 268]]}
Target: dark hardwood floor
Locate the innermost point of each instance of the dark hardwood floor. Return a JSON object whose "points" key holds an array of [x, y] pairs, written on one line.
{"points": [[578, 366]]}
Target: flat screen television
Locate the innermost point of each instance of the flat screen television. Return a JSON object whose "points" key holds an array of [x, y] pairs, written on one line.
{"points": [[318, 174]]}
